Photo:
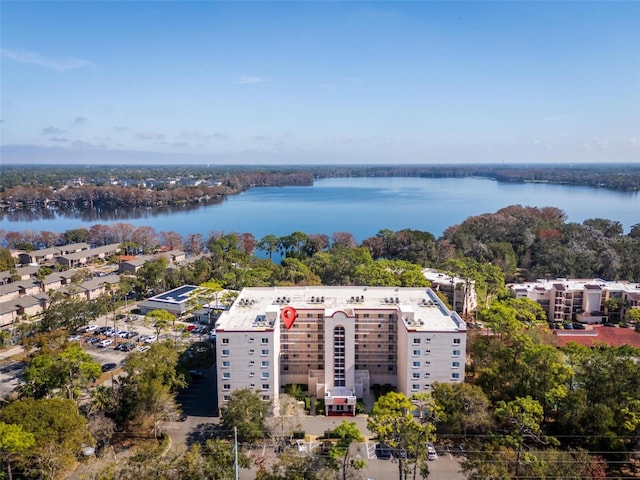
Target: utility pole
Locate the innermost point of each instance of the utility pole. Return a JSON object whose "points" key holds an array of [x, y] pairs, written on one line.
{"points": [[235, 451]]}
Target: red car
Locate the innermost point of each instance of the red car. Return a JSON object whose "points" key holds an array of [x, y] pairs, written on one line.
{"points": [[190, 327]]}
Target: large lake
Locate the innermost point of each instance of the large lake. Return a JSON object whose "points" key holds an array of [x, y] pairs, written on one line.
{"points": [[363, 206]]}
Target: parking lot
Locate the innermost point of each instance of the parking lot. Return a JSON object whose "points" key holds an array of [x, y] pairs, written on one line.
{"points": [[11, 371]]}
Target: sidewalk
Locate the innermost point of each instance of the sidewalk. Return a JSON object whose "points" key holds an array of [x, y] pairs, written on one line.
{"points": [[10, 352]]}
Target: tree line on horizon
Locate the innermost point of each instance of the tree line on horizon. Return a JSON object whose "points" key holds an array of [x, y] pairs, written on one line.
{"points": [[524, 243]]}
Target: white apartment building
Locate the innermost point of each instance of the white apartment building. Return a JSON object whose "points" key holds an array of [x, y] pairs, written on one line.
{"points": [[343, 341], [582, 300]]}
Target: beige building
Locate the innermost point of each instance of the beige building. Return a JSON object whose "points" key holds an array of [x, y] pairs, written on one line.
{"points": [[344, 341], [581, 300]]}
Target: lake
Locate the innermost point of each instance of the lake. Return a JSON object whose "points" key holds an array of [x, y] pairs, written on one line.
{"points": [[362, 206]]}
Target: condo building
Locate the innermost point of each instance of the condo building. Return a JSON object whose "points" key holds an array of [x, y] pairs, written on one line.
{"points": [[581, 300], [343, 340]]}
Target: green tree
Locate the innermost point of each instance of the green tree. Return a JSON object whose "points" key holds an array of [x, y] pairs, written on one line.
{"points": [[6, 260], [391, 418], [152, 276], [521, 419], [219, 459], [59, 431], [245, 411], [208, 295], [160, 319], [462, 408], [79, 369], [66, 370], [269, 244], [339, 454], [13, 441], [150, 386]]}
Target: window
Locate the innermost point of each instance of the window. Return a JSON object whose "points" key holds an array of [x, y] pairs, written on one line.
{"points": [[251, 351], [415, 387], [455, 376], [455, 364], [339, 348], [416, 341], [456, 341], [265, 352], [265, 363], [426, 386], [416, 364], [427, 351], [252, 385], [226, 386], [265, 398], [225, 353], [226, 364], [427, 363], [225, 341], [264, 341], [226, 374], [251, 339], [264, 375], [265, 386], [456, 353], [416, 375], [226, 398], [427, 375], [427, 340], [252, 374], [252, 363], [416, 353]]}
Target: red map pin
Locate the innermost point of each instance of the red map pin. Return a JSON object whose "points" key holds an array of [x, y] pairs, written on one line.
{"points": [[288, 315]]}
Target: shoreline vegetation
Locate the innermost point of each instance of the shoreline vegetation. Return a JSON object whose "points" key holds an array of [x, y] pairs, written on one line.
{"points": [[43, 190]]}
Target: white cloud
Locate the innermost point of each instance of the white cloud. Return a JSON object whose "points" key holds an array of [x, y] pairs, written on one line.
{"points": [[79, 121], [57, 64], [249, 79]]}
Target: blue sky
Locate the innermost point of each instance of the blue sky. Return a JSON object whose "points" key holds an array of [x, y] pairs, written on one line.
{"points": [[320, 82]]}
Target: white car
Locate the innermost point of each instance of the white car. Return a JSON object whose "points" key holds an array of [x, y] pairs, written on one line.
{"points": [[122, 333], [91, 328], [143, 349], [150, 339], [105, 343], [431, 452], [74, 338]]}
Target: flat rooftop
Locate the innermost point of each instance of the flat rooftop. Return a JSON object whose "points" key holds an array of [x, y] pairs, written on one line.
{"points": [[419, 308], [177, 295]]}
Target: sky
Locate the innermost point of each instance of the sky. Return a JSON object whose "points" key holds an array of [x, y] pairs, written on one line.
{"points": [[319, 82]]}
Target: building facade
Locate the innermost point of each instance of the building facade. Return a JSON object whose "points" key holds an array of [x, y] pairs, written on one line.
{"points": [[580, 300], [344, 340]]}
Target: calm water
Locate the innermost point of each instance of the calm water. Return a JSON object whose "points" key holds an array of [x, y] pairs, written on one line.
{"points": [[363, 206]]}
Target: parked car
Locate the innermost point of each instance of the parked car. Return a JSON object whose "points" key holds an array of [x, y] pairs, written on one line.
{"points": [[92, 340], [123, 347], [122, 333], [196, 373], [108, 367], [131, 334], [150, 339], [105, 343], [74, 338], [91, 328], [143, 349], [579, 326], [383, 451]]}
